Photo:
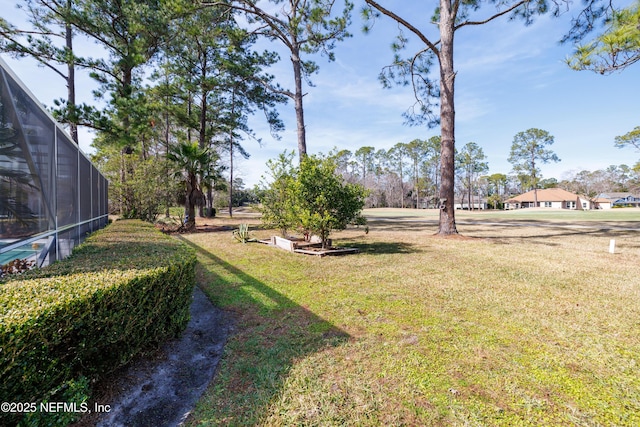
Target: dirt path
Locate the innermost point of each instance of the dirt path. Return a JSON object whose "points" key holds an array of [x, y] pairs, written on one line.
{"points": [[162, 391]]}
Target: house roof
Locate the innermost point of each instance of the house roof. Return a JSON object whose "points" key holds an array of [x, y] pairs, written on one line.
{"points": [[545, 195], [602, 200], [615, 196]]}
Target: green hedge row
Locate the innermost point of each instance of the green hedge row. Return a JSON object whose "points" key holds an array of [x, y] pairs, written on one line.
{"points": [[127, 288]]}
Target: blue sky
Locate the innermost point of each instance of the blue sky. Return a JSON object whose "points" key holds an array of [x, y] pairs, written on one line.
{"points": [[509, 78]]}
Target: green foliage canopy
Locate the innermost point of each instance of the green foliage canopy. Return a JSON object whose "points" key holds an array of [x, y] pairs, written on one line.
{"points": [[277, 200], [630, 138], [324, 201], [616, 48], [191, 162], [314, 199]]}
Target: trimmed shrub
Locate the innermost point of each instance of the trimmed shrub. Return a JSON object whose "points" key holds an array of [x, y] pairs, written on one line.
{"points": [[124, 290], [314, 199]]}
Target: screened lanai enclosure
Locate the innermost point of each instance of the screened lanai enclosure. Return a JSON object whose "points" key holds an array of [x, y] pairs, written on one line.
{"points": [[51, 196]]}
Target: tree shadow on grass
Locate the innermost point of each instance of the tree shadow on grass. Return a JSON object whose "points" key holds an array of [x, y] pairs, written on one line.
{"points": [[381, 248], [500, 234], [392, 225], [271, 333]]}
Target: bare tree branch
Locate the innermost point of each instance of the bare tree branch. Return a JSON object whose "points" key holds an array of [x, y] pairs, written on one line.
{"points": [[406, 24], [495, 16]]}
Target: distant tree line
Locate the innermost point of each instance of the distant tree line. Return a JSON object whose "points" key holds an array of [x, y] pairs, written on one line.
{"points": [[177, 81], [615, 178], [407, 174]]}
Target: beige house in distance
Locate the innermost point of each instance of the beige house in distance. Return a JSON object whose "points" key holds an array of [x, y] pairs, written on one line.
{"points": [[550, 198]]}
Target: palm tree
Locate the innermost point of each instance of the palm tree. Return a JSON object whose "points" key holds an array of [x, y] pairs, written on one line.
{"points": [[191, 162]]}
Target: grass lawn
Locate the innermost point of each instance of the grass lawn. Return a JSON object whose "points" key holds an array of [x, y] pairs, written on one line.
{"points": [[507, 326], [617, 216]]}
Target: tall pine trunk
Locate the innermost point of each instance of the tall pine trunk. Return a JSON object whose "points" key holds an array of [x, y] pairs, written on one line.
{"points": [[297, 75], [447, 223], [202, 135], [231, 178], [233, 108], [401, 187], [71, 78], [167, 213]]}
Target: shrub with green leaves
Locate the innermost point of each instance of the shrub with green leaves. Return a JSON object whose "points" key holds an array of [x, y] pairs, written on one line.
{"points": [[314, 199], [124, 290], [277, 198], [324, 201]]}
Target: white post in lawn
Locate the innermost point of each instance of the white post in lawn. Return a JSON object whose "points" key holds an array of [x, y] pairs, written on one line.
{"points": [[612, 246]]}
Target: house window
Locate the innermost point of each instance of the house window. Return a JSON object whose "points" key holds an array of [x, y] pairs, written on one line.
{"points": [[584, 205], [571, 205], [547, 204]]}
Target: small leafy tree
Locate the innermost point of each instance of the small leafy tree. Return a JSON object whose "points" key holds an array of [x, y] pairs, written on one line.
{"points": [[324, 202], [277, 200], [314, 199], [145, 184], [495, 201], [142, 194]]}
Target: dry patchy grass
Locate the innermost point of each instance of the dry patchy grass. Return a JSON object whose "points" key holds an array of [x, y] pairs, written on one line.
{"points": [[510, 326]]}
